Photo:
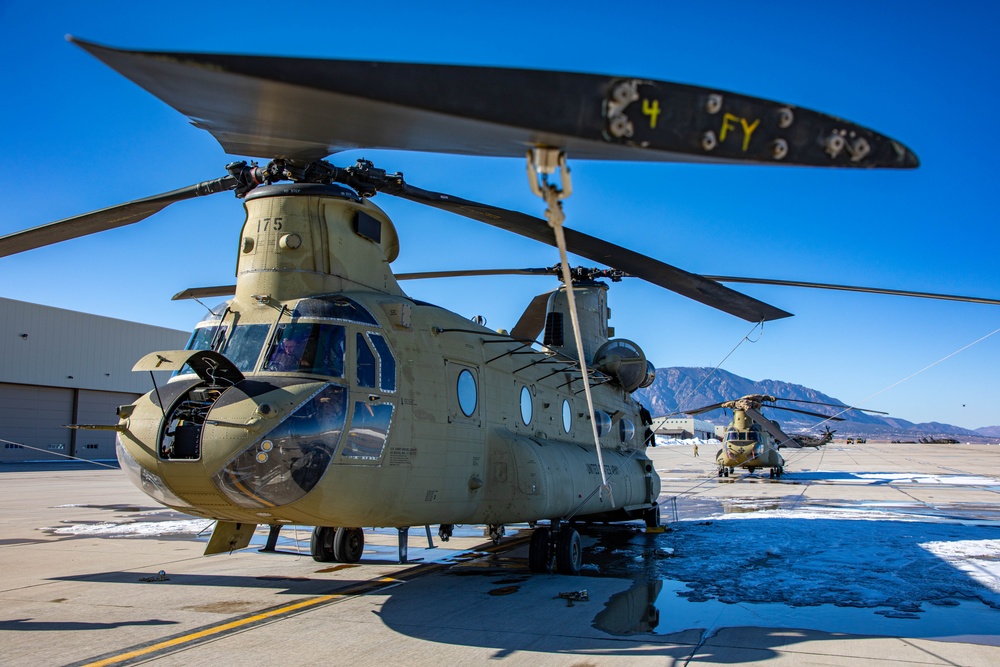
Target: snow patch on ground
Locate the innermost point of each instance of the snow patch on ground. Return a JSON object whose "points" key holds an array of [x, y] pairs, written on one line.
{"points": [[175, 528]]}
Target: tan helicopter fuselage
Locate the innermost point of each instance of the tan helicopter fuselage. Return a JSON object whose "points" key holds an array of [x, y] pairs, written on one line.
{"points": [[745, 445], [402, 413]]}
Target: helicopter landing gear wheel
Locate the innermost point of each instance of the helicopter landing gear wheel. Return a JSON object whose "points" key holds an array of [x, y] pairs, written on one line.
{"points": [[539, 560], [445, 531], [652, 517], [321, 545], [771, 474], [720, 472], [750, 469], [348, 544], [569, 551]]}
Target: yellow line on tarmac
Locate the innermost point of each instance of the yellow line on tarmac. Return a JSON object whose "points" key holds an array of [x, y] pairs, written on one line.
{"points": [[358, 589], [232, 625]]}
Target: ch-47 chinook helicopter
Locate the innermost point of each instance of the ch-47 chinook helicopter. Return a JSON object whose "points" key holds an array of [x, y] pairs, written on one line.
{"points": [[321, 394], [752, 440], [809, 440]]}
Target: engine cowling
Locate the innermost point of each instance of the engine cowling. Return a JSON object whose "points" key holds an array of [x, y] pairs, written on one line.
{"points": [[624, 361]]}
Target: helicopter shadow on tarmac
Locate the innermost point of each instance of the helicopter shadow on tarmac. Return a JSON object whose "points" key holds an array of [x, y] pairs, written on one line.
{"points": [[639, 602]]}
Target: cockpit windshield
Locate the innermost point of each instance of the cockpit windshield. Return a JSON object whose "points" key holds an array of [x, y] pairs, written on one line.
{"points": [[204, 336], [244, 345], [308, 347], [749, 436], [316, 346]]}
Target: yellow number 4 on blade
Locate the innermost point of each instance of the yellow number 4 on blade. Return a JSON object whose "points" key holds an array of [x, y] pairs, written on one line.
{"points": [[651, 109]]}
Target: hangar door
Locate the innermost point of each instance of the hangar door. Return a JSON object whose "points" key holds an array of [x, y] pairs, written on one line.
{"points": [[33, 419], [98, 407], [32, 422]]}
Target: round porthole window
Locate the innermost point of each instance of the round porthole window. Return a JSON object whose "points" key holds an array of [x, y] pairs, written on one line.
{"points": [[467, 394], [525, 405], [603, 421], [567, 415], [626, 429]]}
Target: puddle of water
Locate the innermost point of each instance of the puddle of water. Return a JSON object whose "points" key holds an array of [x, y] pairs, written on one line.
{"points": [[659, 608]]}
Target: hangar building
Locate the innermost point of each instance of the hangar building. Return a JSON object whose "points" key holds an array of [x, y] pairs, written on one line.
{"points": [[683, 428], [61, 367]]}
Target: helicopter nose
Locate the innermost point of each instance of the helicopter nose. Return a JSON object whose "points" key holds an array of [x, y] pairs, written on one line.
{"points": [[287, 451], [252, 445]]}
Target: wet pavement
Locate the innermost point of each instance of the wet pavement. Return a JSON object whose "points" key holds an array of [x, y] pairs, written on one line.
{"points": [[860, 553]]}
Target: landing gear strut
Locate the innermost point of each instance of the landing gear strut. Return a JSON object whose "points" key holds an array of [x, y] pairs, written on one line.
{"points": [[495, 532]]}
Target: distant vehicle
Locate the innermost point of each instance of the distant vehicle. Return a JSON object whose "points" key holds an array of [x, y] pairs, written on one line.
{"points": [[938, 441]]}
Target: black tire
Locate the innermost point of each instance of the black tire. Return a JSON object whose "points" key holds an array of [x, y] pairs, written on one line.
{"points": [[349, 544], [321, 544], [652, 517], [569, 551], [538, 551]]}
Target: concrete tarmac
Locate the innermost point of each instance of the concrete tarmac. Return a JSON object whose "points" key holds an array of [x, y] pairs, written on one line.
{"points": [[83, 551]]}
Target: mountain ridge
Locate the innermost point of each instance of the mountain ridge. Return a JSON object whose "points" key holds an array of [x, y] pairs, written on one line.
{"points": [[689, 388]]}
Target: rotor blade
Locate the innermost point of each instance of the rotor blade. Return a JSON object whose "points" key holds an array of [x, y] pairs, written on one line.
{"points": [[204, 292], [832, 405], [532, 320], [670, 277], [309, 108], [106, 218], [852, 288], [698, 411], [779, 436], [806, 412], [473, 272]]}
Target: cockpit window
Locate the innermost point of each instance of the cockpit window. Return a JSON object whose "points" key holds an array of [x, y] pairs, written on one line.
{"points": [[245, 344], [203, 337], [289, 461], [752, 435], [333, 307], [387, 363], [308, 347], [369, 430], [366, 363]]}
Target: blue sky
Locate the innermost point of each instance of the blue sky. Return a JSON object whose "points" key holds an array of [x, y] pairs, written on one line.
{"points": [[78, 137]]}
